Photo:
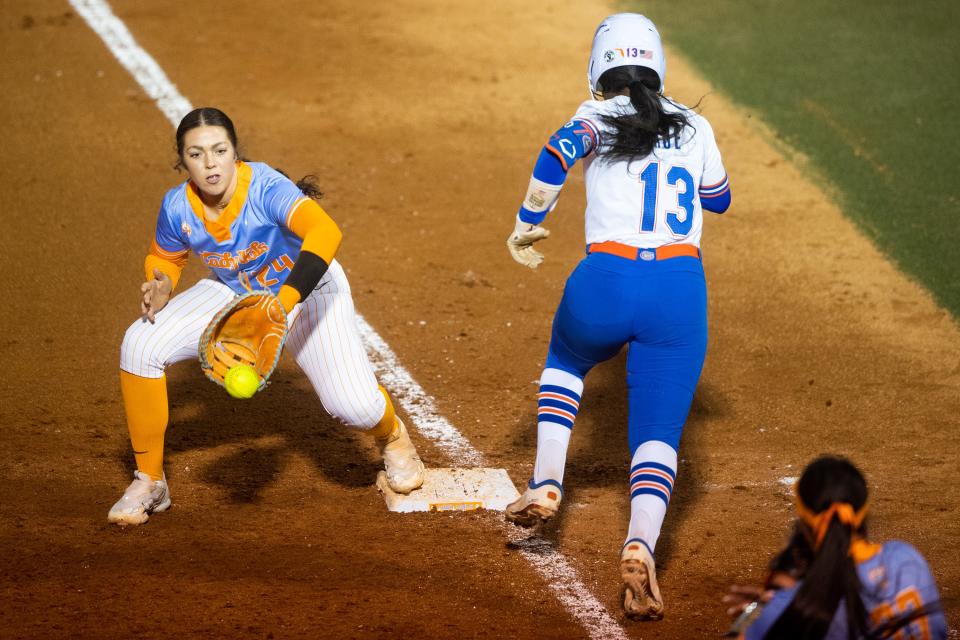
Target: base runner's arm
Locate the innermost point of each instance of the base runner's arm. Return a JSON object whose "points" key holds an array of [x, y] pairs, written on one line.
{"points": [[716, 197], [574, 140]]}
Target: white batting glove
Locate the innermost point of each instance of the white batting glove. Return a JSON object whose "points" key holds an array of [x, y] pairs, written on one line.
{"points": [[520, 243]]}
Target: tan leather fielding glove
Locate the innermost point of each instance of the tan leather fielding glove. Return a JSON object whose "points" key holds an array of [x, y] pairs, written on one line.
{"points": [[250, 329]]}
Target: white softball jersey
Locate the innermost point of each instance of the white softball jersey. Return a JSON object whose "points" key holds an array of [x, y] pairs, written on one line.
{"points": [[651, 202]]}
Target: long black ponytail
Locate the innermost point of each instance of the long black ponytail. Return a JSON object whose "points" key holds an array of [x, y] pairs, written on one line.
{"points": [[636, 134], [830, 576], [308, 185], [828, 572]]}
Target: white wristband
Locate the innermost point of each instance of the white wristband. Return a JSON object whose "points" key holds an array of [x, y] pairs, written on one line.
{"points": [[541, 196]]}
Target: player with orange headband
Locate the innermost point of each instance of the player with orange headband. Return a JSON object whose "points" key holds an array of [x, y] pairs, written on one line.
{"points": [[833, 582]]}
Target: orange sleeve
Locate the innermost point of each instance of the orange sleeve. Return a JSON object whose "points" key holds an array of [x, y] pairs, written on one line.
{"points": [[321, 236], [169, 263]]}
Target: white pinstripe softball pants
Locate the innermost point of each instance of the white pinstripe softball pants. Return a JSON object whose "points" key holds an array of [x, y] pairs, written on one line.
{"points": [[323, 340]]}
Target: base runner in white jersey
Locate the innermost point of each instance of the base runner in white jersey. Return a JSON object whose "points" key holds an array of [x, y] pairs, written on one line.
{"points": [[651, 167], [255, 229]]}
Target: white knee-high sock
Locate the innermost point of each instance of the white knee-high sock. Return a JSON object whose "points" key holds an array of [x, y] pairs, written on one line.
{"points": [[652, 474], [557, 405]]}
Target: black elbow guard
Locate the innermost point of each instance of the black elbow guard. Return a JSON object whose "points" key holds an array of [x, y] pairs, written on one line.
{"points": [[306, 273]]}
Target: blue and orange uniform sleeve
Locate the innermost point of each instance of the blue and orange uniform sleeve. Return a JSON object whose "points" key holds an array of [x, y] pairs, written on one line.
{"points": [[168, 251], [288, 207], [715, 197], [714, 188], [321, 238], [575, 140], [911, 587]]}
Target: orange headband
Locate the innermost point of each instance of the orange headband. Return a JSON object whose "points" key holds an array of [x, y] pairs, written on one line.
{"points": [[820, 522]]}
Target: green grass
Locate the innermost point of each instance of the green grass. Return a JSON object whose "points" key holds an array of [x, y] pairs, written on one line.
{"points": [[869, 91]]}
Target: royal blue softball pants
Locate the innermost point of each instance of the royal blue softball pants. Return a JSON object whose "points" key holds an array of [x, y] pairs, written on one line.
{"points": [[658, 308]]}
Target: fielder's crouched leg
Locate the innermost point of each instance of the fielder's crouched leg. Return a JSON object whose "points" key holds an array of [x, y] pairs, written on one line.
{"points": [[405, 470], [326, 344], [402, 464], [147, 349]]}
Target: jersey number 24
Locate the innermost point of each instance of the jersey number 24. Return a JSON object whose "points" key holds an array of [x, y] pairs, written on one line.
{"points": [[677, 179]]}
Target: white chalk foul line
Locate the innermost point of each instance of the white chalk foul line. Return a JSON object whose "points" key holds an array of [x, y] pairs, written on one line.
{"points": [[415, 401], [552, 566], [542, 556], [566, 586], [134, 59]]}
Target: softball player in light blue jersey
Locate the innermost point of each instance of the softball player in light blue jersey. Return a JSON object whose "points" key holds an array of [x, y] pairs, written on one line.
{"points": [[836, 584], [651, 167], [254, 229]]}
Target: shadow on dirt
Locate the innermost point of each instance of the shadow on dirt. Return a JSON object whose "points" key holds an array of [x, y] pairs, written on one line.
{"points": [[261, 434]]}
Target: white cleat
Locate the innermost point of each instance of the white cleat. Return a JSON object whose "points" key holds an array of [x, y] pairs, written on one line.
{"points": [[404, 468], [143, 497], [641, 595], [535, 506]]}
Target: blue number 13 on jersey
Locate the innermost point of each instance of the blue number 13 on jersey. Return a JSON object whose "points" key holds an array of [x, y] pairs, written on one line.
{"points": [[677, 178]]}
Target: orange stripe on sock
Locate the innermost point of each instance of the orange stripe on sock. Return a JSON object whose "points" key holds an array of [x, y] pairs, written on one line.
{"points": [[556, 396], [557, 412], [654, 472]]}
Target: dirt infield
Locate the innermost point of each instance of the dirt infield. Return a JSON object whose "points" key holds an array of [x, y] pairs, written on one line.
{"points": [[422, 120]]}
